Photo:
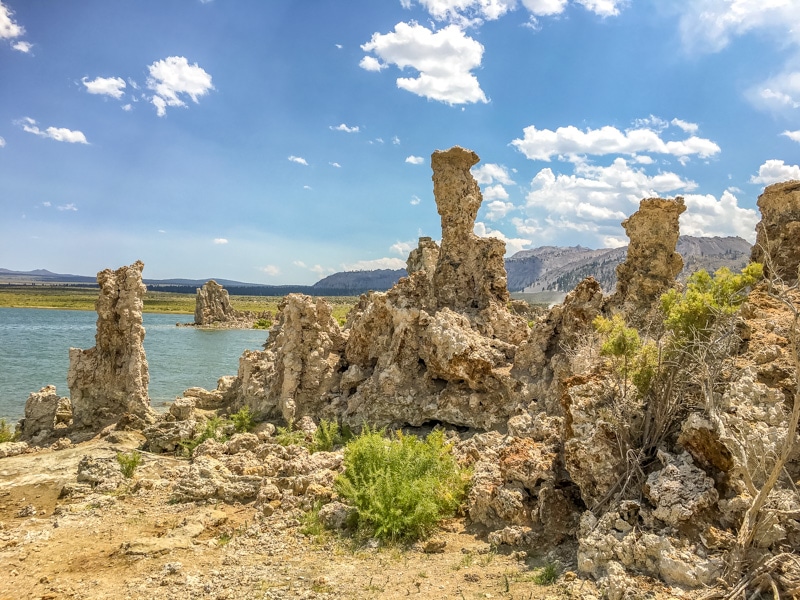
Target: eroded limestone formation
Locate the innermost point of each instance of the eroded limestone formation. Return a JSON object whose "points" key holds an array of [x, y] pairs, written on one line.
{"points": [[651, 265], [111, 378], [213, 309], [45, 413], [777, 244]]}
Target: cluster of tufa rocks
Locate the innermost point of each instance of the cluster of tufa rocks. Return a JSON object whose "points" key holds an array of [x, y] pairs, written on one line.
{"points": [[213, 309], [529, 406]]}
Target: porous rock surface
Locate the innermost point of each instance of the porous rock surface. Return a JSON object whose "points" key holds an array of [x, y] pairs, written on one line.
{"points": [[213, 309], [45, 412], [111, 378], [778, 234]]}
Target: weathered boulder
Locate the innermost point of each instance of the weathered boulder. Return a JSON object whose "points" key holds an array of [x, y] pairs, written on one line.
{"points": [[424, 257], [45, 412], [778, 234], [111, 378], [680, 492], [651, 265]]}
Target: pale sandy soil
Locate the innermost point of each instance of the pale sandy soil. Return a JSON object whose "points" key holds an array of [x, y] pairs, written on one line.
{"points": [[133, 543]]}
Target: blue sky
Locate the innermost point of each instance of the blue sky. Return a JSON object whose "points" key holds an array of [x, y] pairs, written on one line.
{"points": [[277, 142]]}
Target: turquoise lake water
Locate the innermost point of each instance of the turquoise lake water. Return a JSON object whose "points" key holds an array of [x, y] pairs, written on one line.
{"points": [[34, 352]]}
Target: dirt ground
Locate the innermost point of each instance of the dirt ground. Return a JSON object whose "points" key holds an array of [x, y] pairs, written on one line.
{"points": [[133, 543]]}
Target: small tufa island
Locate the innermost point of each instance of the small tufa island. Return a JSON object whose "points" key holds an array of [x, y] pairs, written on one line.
{"points": [[213, 309], [642, 442]]}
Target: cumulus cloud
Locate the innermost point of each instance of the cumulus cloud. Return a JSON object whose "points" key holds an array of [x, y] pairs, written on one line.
{"points": [[490, 172], [474, 12], [571, 142], [444, 60], [780, 93], [220, 241], [127, 107], [707, 216], [271, 270], [345, 128], [174, 76], [775, 171], [378, 263], [603, 8], [59, 134], [403, 248], [9, 29], [495, 192], [396, 140], [497, 209], [513, 245], [2, 142], [415, 200], [107, 86], [593, 200], [793, 135], [68, 207], [686, 126], [24, 47], [335, 164], [415, 160], [299, 160]]}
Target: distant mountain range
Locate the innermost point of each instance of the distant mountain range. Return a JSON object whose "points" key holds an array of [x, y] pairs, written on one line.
{"points": [[543, 269]]}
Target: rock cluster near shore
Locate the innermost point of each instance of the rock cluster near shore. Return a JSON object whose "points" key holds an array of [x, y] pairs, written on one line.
{"points": [[550, 428], [213, 309]]}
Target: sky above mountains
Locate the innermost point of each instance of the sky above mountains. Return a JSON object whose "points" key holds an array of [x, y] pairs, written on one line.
{"points": [[277, 142]]}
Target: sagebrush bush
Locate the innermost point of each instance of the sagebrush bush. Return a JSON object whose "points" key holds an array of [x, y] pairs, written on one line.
{"points": [[6, 433], [128, 462], [400, 486]]}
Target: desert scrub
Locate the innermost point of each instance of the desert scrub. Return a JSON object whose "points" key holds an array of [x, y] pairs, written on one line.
{"points": [[290, 436], [128, 462], [400, 486], [6, 433], [329, 435], [214, 429], [243, 420], [262, 324], [631, 358]]}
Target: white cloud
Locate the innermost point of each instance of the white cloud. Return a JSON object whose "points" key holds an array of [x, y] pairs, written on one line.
{"points": [[685, 125], [415, 160], [780, 93], [544, 8], [497, 209], [345, 128], [339, 46], [108, 86], [378, 263], [306, 187], [490, 172], [59, 134], [444, 60], [335, 164], [174, 76], [2, 142], [127, 107], [415, 200], [396, 140], [9, 29], [220, 241], [775, 171], [793, 135], [320, 270], [603, 8], [403, 248], [370, 63], [24, 47], [609, 241], [46, 204], [495, 192], [67, 207], [707, 216], [513, 245], [710, 24], [299, 160], [271, 270], [299, 263], [594, 200], [544, 144], [466, 12]]}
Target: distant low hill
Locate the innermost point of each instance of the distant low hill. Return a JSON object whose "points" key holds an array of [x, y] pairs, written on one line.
{"points": [[544, 269]]}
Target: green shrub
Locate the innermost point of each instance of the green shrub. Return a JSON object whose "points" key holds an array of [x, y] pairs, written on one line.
{"points": [[289, 436], [262, 324], [128, 462], [547, 575], [631, 358], [243, 420], [6, 433], [400, 486], [212, 430], [691, 315], [329, 436]]}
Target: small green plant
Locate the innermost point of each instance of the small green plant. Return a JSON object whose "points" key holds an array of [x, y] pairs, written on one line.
{"points": [[329, 436], [243, 420], [400, 486], [6, 433], [262, 324], [128, 462], [547, 575], [289, 436], [212, 430], [631, 358]]}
